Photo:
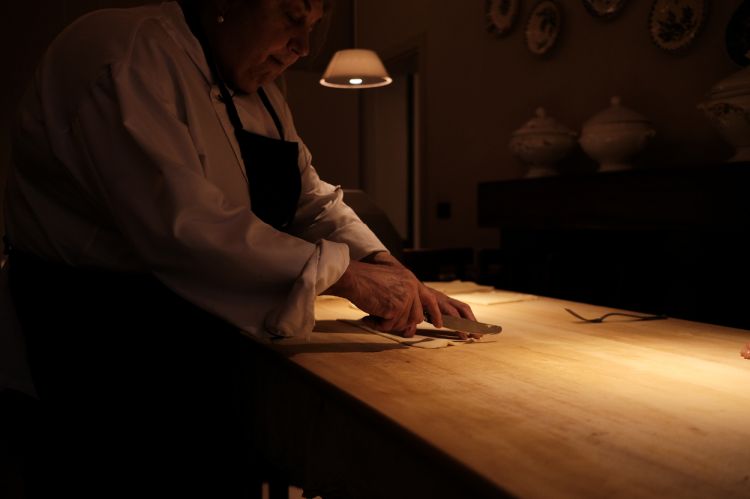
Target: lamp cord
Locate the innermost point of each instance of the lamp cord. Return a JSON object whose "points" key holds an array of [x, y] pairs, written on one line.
{"points": [[354, 23]]}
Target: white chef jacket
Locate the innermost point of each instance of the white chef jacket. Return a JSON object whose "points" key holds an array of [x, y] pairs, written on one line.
{"points": [[124, 158]]}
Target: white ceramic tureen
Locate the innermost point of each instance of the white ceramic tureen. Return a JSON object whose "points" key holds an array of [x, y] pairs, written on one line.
{"points": [[613, 136], [540, 143], [728, 109]]}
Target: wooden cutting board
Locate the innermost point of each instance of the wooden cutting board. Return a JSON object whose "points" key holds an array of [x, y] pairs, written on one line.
{"points": [[553, 407]]}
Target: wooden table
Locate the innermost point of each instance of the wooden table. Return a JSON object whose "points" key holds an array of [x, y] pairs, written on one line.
{"points": [[552, 407]]}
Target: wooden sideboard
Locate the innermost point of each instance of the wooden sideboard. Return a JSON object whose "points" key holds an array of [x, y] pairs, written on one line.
{"points": [[674, 241]]}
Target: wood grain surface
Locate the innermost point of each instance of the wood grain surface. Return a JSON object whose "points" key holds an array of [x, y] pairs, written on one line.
{"points": [[554, 407]]}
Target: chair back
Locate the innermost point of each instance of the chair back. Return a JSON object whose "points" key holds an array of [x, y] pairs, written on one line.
{"points": [[376, 220]]}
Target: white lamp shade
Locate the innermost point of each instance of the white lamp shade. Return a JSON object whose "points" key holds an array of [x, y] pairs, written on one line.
{"points": [[355, 68]]}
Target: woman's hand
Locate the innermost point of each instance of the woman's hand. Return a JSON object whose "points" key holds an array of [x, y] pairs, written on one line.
{"points": [[745, 352], [393, 296], [452, 307], [389, 293]]}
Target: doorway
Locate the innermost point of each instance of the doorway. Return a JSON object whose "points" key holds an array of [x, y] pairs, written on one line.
{"points": [[389, 146]]}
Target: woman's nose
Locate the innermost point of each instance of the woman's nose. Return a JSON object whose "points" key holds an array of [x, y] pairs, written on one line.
{"points": [[299, 44]]}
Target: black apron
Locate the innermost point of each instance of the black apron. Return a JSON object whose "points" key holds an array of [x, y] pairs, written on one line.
{"points": [[140, 387], [271, 165]]}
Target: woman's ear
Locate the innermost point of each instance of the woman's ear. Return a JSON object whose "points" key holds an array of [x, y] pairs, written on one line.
{"points": [[219, 8], [225, 6]]}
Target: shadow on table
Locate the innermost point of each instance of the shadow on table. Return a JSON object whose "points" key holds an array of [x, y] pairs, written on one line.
{"points": [[337, 327], [292, 350]]}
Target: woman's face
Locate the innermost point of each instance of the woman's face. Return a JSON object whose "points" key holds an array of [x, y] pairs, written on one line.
{"points": [[259, 39]]}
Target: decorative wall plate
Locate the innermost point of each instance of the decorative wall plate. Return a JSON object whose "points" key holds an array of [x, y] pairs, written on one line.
{"points": [[674, 24], [604, 8], [501, 15], [543, 27], [738, 35]]}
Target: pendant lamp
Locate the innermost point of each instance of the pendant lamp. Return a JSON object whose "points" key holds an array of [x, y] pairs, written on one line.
{"points": [[355, 68]]}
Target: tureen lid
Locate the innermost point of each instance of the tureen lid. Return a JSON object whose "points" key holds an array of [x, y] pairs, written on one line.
{"points": [[735, 84], [616, 113], [542, 123]]}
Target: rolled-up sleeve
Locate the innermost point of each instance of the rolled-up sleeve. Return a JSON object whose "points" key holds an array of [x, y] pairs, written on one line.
{"points": [[146, 173], [323, 214]]}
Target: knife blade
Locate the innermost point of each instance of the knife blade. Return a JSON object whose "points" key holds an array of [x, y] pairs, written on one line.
{"points": [[466, 325]]}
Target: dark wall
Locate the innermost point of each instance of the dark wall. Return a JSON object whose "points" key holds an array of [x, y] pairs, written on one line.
{"points": [[477, 89]]}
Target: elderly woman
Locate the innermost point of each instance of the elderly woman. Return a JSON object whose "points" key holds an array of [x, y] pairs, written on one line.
{"points": [[160, 200]]}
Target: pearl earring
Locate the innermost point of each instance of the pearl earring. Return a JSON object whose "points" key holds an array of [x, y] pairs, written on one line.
{"points": [[220, 19]]}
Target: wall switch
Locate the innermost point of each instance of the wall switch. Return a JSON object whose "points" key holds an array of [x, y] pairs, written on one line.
{"points": [[444, 210]]}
